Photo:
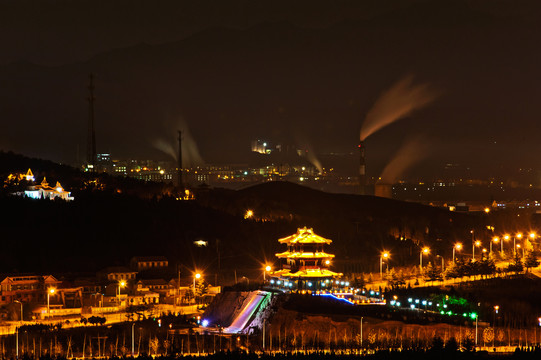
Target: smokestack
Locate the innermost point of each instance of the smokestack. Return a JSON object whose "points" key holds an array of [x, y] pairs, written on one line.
{"points": [[180, 180], [362, 170]]}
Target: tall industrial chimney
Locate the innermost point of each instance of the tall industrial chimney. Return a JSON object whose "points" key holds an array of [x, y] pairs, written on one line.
{"points": [[91, 141], [362, 170], [180, 180]]}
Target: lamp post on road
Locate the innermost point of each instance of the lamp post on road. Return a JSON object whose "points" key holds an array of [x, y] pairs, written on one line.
{"points": [[267, 269], [517, 236], [496, 308], [384, 255], [17, 330], [442, 263], [476, 326], [495, 239], [426, 251], [506, 238], [196, 276], [518, 247], [458, 246], [121, 284], [474, 244], [50, 291]]}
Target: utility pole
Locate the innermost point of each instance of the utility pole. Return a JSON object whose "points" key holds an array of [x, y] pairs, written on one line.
{"points": [[91, 144]]}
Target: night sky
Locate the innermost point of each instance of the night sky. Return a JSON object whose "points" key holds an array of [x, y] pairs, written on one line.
{"points": [[305, 73]]}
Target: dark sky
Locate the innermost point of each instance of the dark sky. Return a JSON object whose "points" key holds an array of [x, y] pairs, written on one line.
{"points": [[303, 72]]}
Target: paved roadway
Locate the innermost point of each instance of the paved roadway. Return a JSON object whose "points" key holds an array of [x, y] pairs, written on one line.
{"points": [[8, 327]]}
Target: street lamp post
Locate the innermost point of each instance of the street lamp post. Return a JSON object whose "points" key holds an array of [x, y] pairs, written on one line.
{"points": [[384, 255], [196, 276], [505, 237], [496, 308], [477, 243], [473, 244], [50, 291], [121, 284], [267, 269], [518, 247], [425, 250], [476, 326], [442, 263], [458, 246], [517, 236], [17, 330], [495, 239]]}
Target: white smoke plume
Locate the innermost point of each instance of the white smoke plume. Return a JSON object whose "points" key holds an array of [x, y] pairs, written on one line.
{"points": [[303, 143], [397, 102], [169, 145], [411, 152]]}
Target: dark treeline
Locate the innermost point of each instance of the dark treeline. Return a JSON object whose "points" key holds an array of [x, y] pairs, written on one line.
{"points": [[429, 354]]}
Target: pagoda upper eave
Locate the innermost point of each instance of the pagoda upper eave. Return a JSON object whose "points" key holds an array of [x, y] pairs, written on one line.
{"points": [[306, 273], [304, 236], [304, 255]]}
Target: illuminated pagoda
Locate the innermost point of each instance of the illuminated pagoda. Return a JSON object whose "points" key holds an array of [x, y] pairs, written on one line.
{"points": [[306, 262]]}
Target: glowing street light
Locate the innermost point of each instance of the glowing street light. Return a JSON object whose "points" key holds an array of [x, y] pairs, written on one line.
{"points": [[267, 269], [17, 330], [50, 291], [496, 308], [426, 251], [196, 276], [248, 214], [517, 236], [495, 239], [518, 247], [458, 247], [384, 255], [121, 284], [506, 237]]}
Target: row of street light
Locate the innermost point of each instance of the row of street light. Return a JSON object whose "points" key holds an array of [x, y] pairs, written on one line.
{"points": [[385, 255]]}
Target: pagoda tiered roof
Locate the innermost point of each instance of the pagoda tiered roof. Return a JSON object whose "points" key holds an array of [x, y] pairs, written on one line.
{"points": [[306, 273], [304, 255], [304, 236]]}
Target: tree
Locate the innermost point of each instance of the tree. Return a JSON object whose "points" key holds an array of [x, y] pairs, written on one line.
{"points": [[360, 282], [370, 278], [451, 345], [531, 260], [516, 266], [390, 276], [433, 273], [452, 271], [437, 344], [96, 320]]}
